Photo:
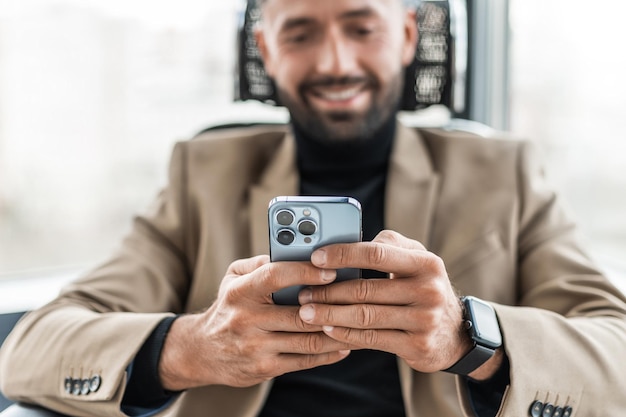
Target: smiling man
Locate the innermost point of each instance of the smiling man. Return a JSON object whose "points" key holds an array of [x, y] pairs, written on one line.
{"points": [[338, 68], [180, 321]]}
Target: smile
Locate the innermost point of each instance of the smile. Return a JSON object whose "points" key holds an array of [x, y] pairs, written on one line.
{"points": [[338, 95]]}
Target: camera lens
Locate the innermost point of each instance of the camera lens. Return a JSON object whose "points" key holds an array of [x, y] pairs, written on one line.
{"points": [[307, 227], [284, 217], [285, 237]]}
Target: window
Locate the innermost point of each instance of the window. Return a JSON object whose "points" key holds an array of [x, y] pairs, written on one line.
{"points": [[568, 94], [93, 95]]}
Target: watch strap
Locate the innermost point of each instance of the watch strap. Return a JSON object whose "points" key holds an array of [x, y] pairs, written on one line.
{"points": [[472, 360]]}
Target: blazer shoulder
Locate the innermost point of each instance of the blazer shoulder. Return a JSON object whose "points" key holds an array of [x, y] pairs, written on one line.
{"points": [[485, 137], [239, 135], [447, 145], [233, 146]]}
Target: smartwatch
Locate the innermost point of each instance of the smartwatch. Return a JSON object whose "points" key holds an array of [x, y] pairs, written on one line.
{"points": [[482, 324]]}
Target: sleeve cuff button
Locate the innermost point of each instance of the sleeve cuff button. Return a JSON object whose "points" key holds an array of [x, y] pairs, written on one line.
{"points": [[76, 387], [84, 387], [95, 383], [68, 385], [548, 411], [536, 408]]}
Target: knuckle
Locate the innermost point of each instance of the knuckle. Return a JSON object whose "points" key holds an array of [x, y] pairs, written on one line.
{"points": [[370, 337], [431, 319], [327, 314], [343, 254], [232, 292], [271, 275], [308, 361], [377, 255], [313, 343], [268, 272], [365, 316], [430, 346], [263, 369], [363, 290], [419, 245], [364, 338], [321, 294], [387, 236], [432, 293], [434, 262], [300, 325]]}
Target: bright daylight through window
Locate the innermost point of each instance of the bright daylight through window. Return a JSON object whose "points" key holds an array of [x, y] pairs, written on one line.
{"points": [[93, 94]]}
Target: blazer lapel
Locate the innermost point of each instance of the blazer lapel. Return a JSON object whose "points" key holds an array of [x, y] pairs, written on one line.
{"points": [[411, 196], [411, 187], [280, 178]]}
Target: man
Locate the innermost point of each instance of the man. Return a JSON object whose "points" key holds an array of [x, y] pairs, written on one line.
{"points": [[444, 213]]}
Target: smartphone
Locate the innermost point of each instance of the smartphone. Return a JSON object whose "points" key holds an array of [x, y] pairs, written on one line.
{"points": [[299, 225]]}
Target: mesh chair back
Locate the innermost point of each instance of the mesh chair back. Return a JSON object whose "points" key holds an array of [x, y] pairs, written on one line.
{"points": [[436, 76]]}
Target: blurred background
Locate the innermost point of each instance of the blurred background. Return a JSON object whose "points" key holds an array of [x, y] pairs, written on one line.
{"points": [[94, 93]]}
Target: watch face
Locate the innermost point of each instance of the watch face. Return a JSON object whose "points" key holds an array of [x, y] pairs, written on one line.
{"points": [[485, 322]]}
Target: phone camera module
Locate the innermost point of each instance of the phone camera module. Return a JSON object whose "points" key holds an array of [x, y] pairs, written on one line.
{"points": [[284, 217], [285, 237], [307, 227]]}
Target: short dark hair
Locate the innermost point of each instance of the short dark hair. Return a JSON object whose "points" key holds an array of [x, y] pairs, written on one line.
{"points": [[407, 3]]}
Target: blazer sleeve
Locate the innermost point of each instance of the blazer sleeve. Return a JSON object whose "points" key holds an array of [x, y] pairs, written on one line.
{"points": [[566, 338], [72, 355]]}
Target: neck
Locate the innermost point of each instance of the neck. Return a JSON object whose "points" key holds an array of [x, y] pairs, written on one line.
{"points": [[344, 163]]}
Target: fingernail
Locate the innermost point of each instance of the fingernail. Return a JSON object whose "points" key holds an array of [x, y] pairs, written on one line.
{"points": [[319, 257], [327, 329], [305, 296], [307, 313], [328, 274]]}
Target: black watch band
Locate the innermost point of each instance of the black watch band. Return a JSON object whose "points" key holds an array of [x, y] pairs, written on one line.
{"points": [[472, 360], [484, 330]]}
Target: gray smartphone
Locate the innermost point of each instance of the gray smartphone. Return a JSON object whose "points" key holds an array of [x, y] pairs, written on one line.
{"points": [[299, 225]]}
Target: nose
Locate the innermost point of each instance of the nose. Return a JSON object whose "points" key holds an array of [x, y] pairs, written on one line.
{"points": [[336, 56]]}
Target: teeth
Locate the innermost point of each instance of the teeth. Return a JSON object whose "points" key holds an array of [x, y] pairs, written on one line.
{"points": [[340, 95]]}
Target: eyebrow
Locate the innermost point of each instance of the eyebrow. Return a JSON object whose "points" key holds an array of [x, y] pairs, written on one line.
{"points": [[363, 12], [296, 22]]}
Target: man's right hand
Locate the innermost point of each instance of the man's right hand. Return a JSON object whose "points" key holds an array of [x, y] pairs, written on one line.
{"points": [[244, 338]]}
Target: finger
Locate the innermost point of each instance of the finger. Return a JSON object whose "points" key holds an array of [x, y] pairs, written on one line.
{"points": [[384, 340], [361, 291], [393, 238], [295, 362], [377, 256], [362, 316], [248, 265], [303, 343], [275, 318], [274, 276]]}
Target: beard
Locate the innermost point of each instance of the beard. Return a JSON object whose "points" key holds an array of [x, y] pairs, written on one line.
{"points": [[344, 126]]}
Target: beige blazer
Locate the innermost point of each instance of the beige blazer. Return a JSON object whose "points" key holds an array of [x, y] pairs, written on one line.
{"points": [[481, 204]]}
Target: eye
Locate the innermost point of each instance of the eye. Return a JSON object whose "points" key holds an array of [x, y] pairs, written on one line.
{"points": [[363, 31], [297, 39]]}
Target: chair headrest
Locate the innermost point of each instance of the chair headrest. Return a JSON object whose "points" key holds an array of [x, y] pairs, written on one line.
{"points": [[436, 76]]}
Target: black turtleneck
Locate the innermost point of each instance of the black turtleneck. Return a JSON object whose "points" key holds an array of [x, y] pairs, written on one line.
{"points": [[356, 168], [366, 383]]}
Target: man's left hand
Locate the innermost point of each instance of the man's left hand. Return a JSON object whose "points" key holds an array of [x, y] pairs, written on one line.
{"points": [[416, 314]]}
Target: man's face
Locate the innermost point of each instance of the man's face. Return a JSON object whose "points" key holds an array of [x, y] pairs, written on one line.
{"points": [[338, 64]]}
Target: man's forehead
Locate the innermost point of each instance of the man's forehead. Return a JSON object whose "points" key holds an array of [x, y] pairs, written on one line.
{"points": [[286, 9], [262, 2]]}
